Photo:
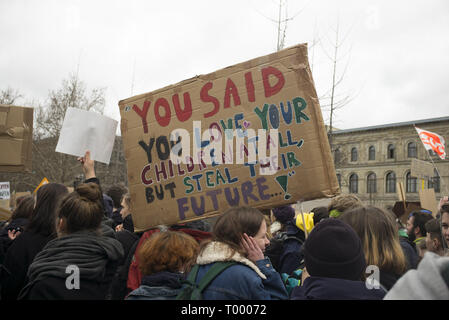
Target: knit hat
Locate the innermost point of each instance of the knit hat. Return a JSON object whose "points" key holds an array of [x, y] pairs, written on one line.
{"points": [[284, 214], [334, 250]]}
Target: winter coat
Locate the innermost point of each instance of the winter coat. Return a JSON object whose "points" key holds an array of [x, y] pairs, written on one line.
{"points": [[163, 285], [93, 255], [18, 258], [409, 249], [5, 241], [244, 281], [429, 282], [292, 255], [320, 288]]}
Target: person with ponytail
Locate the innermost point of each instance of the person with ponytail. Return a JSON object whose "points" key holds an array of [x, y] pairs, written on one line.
{"points": [[81, 262]]}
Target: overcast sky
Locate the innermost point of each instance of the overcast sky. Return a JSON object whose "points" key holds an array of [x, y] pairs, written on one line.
{"points": [[396, 53]]}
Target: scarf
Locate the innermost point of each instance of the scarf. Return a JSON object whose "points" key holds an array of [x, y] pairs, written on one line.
{"points": [[87, 250]]}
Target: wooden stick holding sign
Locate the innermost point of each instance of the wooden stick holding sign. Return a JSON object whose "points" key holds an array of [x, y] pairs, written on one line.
{"points": [[299, 205]]}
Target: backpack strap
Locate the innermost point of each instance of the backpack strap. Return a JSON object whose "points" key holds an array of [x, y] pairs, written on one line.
{"points": [[212, 273]]}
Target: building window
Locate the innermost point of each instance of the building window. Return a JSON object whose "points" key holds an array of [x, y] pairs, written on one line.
{"points": [[434, 182], [353, 183], [371, 183], [372, 153], [354, 154], [390, 151], [339, 179], [390, 186], [412, 151], [411, 183]]}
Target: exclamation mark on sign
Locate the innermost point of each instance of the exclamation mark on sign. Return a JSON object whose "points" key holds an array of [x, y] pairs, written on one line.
{"points": [[283, 180]]}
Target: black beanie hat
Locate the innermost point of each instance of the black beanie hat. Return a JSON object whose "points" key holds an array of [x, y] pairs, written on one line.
{"points": [[334, 250], [284, 214]]}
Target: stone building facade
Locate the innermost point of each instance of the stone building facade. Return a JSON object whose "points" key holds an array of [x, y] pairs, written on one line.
{"points": [[369, 161]]}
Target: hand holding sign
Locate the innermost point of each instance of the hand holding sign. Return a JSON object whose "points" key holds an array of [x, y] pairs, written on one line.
{"points": [[88, 165]]}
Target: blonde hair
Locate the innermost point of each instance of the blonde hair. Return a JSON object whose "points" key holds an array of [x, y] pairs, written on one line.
{"points": [[378, 231]]}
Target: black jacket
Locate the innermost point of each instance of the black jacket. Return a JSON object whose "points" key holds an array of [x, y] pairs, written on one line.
{"points": [[5, 241], [18, 258], [76, 266], [320, 288]]}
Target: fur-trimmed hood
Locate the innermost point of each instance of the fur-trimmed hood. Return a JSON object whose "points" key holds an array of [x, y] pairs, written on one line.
{"points": [[219, 251]]}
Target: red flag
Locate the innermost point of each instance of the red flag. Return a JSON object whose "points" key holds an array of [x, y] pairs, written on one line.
{"points": [[432, 141]]}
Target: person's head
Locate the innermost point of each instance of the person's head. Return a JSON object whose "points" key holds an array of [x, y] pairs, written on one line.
{"points": [[434, 241], [342, 203], [24, 209], [171, 251], [81, 209], [319, 214], [379, 234], [445, 222], [284, 214], [421, 247], [333, 250], [234, 222], [48, 198], [116, 192], [125, 204], [416, 224]]}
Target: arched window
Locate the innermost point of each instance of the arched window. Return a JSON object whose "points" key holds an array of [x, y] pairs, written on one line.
{"points": [[434, 182], [372, 153], [353, 183], [412, 151], [411, 183], [371, 183], [390, 182], [354, 154], [339, 179], [390, 151]]}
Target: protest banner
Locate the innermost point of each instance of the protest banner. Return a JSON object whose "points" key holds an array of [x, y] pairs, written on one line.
{"points": [[16, 132], [179, 142], [428, 200], [86, 130], [421, 169], [5, 195]]}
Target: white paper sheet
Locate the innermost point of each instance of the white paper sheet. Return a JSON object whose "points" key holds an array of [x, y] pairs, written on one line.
{"points": [[86, 130]]}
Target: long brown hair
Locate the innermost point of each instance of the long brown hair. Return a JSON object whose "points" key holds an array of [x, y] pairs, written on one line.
{"points": [[82, 209], [378, 231], [233, 223]]}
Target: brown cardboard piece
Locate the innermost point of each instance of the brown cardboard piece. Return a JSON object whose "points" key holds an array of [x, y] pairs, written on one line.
{"points": [[403, 213], [428, 200], [16, 132], [421, 169], [272, 91]]}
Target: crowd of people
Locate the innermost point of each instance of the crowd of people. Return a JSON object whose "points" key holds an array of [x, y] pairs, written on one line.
{"points": [[61, 245]]}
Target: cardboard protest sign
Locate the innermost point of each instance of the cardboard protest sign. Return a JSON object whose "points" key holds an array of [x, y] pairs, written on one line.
{"points": [[86, 130], [251, 134], [428, 200], [16, 132], [5, 195], [421, 169]]}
